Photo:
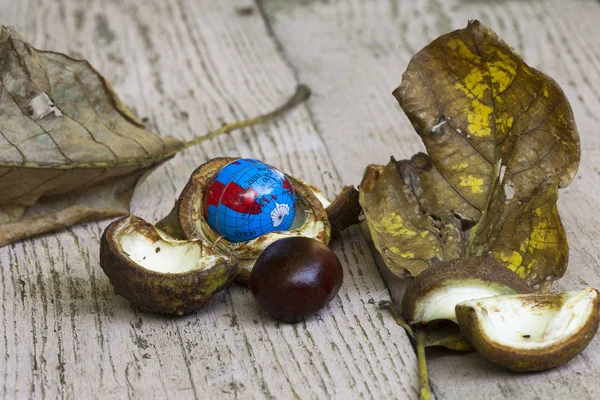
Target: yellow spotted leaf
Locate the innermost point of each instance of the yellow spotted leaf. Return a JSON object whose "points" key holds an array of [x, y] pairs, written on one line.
{"points": [[526, 235], [406, 219], [502, 137]]}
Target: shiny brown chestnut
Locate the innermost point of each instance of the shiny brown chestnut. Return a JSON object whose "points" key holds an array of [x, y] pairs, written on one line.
{"points": [[295, 277]]}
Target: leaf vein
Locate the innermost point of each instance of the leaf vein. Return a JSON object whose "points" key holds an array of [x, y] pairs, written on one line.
{"points": [[83, 88], [11, 169], [14, 145], [92, 136], [37, 187]]}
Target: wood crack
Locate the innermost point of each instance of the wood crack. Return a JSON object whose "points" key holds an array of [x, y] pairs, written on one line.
{"points": [[284, 56]]}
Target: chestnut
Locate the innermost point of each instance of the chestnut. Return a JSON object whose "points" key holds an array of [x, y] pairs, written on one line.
{"points": [[295, 277]]}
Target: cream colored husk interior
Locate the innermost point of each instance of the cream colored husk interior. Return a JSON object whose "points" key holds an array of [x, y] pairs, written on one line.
{"points": [[165, 255], [440, 302], [518, 323]]}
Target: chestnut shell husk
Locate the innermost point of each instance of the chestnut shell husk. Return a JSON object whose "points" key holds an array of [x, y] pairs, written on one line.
{"points": [[193, 224], [484, 269], [166, 293], [534, 359]]}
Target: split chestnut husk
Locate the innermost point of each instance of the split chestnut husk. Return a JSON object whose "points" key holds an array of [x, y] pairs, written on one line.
{"points": [[310, 221], [530, 332], [434, 293], [158, 273]]}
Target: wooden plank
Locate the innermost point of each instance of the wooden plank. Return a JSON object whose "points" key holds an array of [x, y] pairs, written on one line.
{"points": [[186, 66], [353, 54]]}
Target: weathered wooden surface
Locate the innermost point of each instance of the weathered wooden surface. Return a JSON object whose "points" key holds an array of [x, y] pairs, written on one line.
{"points": [[354, 53], [186, 66]]}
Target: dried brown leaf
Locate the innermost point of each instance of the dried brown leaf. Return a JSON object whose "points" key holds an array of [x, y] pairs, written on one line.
{"points": [[398, 211], [502, 140], [68, 145], [445, 334]]}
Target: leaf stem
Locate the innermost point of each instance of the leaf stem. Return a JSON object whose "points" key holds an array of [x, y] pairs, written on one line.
{"points": [[425, 391], [397, 315], [419, 338], [302, 93]]}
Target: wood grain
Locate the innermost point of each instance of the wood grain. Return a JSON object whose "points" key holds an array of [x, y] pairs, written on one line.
{"points": [[185, 67], [353, 53]]}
